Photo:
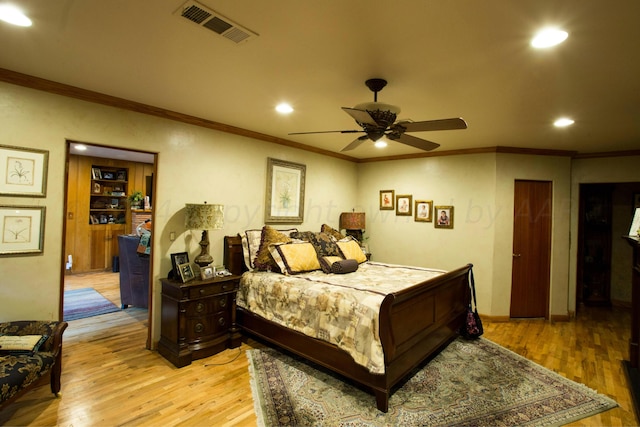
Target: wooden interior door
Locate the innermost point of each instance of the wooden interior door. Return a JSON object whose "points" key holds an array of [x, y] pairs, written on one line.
{"points": [[531, 264]]}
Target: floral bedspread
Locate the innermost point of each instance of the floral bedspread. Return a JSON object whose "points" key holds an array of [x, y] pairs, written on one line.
{"points": [[342, 309]]}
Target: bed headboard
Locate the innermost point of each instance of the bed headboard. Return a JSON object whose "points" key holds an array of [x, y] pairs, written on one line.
{"points": [[233, 258]]}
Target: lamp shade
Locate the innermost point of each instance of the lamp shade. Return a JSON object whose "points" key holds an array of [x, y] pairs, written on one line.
{"points": [[203, 217], [352, 221]]}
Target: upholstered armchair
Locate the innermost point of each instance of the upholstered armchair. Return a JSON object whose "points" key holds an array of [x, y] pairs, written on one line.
{"points": [[134, 273], [22, 370]]}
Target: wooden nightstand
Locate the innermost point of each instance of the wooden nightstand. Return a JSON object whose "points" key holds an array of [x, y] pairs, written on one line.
{"points": [[198, 318]]}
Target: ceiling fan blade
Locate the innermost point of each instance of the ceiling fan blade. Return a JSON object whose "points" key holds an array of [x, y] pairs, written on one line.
{"points": [[356, 143], [422, 144], [327, 131], [361, 116], [442, 124]]}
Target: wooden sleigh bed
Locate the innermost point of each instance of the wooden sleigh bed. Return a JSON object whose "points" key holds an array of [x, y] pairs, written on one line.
{"points": [[414, 325]]}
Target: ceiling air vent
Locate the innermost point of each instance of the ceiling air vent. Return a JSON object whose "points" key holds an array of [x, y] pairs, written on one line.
{"points": [[212, 20]]}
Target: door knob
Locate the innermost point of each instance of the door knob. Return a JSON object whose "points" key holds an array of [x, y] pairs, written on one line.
{"points": [[517, 255]]}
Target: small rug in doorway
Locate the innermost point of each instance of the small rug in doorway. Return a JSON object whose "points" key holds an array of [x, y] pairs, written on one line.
{"points": [[469, 383], [86, 302]]}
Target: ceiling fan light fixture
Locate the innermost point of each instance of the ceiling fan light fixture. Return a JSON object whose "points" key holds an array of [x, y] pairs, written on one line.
{"points": [[381, 143], [377, 106]]}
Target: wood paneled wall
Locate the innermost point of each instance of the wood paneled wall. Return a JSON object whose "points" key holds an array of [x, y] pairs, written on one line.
{"points": [[93, 246]]}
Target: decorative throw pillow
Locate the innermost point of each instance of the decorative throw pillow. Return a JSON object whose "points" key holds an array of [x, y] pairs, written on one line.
{"points": [[264, 261], [251, 244], [21, 344], [295, 258], [324, 243], [337, 265], [335, 233], [350, 249]]}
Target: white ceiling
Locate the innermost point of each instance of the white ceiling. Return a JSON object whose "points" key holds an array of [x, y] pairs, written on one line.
{"points": [[453, 58]]}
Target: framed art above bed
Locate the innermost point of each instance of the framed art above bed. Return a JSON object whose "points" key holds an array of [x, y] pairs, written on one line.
{"points": [[284, 202]]}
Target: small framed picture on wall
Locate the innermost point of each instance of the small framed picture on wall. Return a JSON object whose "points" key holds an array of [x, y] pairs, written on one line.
{"points": [[386, 200], [404, 205], [444, 216], [423, 211]]}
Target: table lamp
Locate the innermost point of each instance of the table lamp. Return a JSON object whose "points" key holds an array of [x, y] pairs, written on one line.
{"points": [[204, 217], [353, 223]]}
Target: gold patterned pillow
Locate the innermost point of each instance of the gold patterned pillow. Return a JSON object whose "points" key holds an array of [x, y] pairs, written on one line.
{"points": [[264, 261], [324, 243], [332, 231], [295, 258], [350, 249], [251, 244]]}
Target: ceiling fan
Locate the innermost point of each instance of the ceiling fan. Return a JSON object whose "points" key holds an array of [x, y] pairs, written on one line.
{"points": [[378, 119]]}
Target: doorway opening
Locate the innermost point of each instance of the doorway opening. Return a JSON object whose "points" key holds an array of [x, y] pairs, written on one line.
{"points": [[103, 271], [603, 276]]}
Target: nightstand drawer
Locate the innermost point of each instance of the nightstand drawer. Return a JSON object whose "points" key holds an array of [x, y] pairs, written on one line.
{"points": [[198, 327], [206, 306], [212, 289]]}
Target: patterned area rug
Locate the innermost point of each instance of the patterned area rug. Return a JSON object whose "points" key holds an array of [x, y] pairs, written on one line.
{"points": [[86, 302], [469, 383]]}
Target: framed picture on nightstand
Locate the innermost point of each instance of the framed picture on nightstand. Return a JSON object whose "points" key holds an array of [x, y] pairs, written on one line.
{"points": [[186, 272], [208, 272], [177, 259]]}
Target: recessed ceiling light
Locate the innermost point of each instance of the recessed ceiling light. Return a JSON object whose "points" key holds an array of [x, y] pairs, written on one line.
{"points": [[549, 37], [284, 108], [563, 122], [13, 15]]}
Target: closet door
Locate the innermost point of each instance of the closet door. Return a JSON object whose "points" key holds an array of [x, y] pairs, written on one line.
{"points": [[531, 263]]}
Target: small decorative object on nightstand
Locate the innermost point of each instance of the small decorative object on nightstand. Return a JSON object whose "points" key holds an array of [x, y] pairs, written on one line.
{"points": [[198, 318]]}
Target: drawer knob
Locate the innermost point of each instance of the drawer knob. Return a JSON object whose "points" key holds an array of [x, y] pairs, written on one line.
{"points": [[223, 302], [199, 327], [199, 307], [201, 291], [221, 321]]}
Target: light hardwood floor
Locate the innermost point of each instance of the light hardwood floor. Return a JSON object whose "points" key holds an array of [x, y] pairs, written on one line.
{"points": [[110, 379]]}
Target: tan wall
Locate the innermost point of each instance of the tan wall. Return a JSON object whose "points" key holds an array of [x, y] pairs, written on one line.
{"points": [[512, 167], [480, 187], [194, 164], [466, 182]]}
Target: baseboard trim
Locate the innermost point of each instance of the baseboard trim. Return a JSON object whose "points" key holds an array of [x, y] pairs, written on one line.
{"points": [[553, 318]]}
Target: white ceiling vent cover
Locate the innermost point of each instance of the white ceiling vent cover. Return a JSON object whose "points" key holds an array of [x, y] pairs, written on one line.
{"points": [[204, 17]]}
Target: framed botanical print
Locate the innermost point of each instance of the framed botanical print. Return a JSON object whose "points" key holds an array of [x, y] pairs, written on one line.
{"points": [[22, 230], [423, 209], [285, 192], [387, 199], [443, 216], [23, 171], [404, 204]]}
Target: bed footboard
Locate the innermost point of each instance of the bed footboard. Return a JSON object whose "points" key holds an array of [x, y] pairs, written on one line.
{"points": [[415, 325]]}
